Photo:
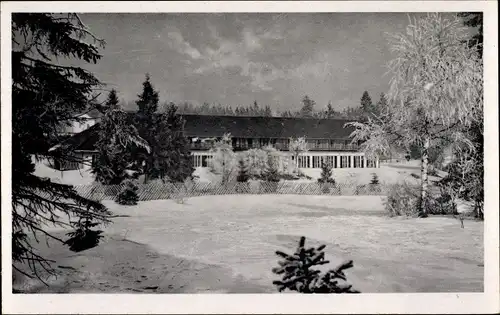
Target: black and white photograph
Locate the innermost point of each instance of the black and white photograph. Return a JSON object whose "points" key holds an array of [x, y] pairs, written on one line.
{"points": [[225, 153]]}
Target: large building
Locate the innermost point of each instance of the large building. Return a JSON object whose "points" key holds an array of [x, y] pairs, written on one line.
{"points": [[327, 139]]}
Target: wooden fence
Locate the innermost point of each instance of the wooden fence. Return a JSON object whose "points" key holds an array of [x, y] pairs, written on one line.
{"points": [[156, 191]]}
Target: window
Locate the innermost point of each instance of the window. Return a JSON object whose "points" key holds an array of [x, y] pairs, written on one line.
{"points": [[94, 159], [71, 164], [316, 161], [204, 161], [370, 163], [357, 162], [304, 162], [344, 161], [198, 160], [330, 160]]}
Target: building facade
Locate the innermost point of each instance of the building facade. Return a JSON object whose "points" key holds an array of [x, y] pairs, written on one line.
{"points": [[328, 140]]}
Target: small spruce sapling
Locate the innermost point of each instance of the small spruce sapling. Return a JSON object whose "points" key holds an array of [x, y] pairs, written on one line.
{"points": [[128, 196], [272, 176], [83, 237], [243, 176], [374, 186], [326, 177], [299, 275]]}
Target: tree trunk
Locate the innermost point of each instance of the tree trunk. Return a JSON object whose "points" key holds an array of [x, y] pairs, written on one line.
{"points": [[424, 186]]}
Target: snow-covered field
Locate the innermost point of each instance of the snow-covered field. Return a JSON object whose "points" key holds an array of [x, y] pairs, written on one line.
{"points": [[227, 244], [76, 177], [387, 173]]}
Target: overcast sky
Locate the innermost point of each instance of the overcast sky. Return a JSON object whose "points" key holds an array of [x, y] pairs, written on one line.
{"points": [[234, 59]]}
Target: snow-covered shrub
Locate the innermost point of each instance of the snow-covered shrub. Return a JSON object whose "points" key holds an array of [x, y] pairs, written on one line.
{"points": [[403, 199], [128, 195]]}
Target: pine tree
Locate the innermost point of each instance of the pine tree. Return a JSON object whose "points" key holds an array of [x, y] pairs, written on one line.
{"points": [[44, 94], [268, 112], [112, 101], [146, 123], [171, 158], [326, 177], [205, 109], [255, 110], [326, 174], [243, 176], [307, 107], [298, 272], [128, 195], [381, 105], [85, 236], [366, 104], [330, 112], [271, 174], [148, 99], [114, 146], [374, 180], [475, 19]]}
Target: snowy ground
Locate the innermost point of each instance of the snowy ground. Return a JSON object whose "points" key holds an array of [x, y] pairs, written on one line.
{"points": [[387, 173], [227, 244], [75, 177]]}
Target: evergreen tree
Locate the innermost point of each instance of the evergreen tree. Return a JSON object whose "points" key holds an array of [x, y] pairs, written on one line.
{"points": [[271, 174], [330, 112], [475, 20], [299, 274], [146, 123], [112, 101], [113, 145], [307, 107], [466, 171], [243, 176], [148, 99], [128, 195], [367, 105], [172, 158], [45, 93], [268, 112], [84, 236], [326, 174], [205, 109], [255, 110], [381, 106], [374, 180]]}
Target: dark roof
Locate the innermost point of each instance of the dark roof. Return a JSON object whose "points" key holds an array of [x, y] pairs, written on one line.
{"points": [[239, 127], [265, 127], [82, 141]]}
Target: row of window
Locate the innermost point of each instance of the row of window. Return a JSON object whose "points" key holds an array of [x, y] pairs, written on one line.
{"points": [[324, 144], [341, 161], [72, 162], [307, 161], [201, 160]]}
